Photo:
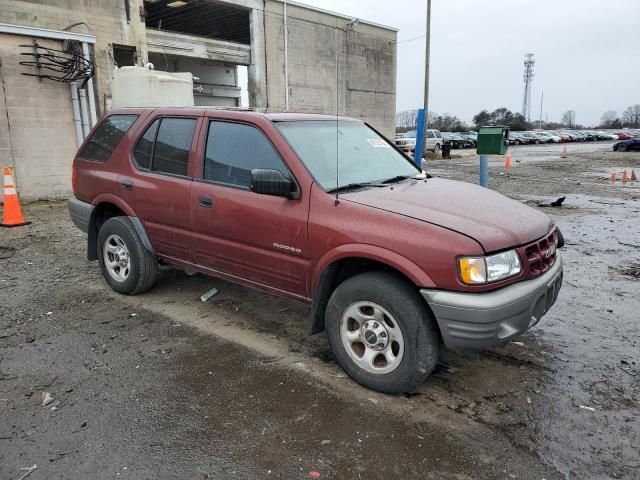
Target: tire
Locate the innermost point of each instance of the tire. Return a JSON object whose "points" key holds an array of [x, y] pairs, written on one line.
{"points": [[412, 338], [126, 265], [436, 149], [622, 147]]}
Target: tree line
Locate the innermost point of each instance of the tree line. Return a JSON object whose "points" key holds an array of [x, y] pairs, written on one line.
{"points": [[406, 120]]}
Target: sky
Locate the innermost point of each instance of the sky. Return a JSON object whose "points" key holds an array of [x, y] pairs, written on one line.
{"points": [[587, 53]]}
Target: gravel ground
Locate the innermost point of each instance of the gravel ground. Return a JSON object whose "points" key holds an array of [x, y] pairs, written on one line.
{"points": [[164, 386]]}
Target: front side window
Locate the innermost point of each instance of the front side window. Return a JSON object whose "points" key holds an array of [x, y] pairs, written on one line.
{"points": [[234, 149], [430, 134], [105, 139], [344, 153], [165, 146]]}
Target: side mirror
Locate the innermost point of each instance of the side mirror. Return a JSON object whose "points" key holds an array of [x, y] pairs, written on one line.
{"points": [[273, 182]]}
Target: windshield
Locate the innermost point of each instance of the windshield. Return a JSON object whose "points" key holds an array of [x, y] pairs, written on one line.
{"points": [[363, 156]]}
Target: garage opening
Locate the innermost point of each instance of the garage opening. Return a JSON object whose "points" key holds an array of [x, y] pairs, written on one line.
{"points": [[201, 18]]}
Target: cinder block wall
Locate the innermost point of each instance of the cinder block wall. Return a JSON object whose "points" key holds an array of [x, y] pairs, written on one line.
{"points": [[106, 20], [37, 134], [332, 66], [38, 114]]}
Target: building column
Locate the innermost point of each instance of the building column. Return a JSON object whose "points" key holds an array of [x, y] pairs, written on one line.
{"points": [[257, 68]]}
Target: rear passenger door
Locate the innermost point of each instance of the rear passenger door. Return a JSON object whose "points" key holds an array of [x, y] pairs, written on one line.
{"points": [[158, 188], [259, 238]]}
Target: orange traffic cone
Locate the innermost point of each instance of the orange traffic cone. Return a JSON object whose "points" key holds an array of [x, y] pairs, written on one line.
{"points": [[634, 177], [507, 160], [11, 215], [564, 152], [613, 175], [625, 179]]}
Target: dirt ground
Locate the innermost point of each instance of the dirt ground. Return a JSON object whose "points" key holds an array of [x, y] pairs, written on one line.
{"points": [[162, 385]]}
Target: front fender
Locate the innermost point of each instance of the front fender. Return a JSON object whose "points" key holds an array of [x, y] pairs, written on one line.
{"points": [[371, 252]]}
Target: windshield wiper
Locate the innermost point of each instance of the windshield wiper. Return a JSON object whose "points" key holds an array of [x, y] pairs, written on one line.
{"points": [[353, 186], [397, 178]]}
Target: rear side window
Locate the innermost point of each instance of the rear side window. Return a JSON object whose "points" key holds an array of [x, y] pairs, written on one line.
{"points": [[144, 148], [105, 139], [165, 146], [234, 149]]}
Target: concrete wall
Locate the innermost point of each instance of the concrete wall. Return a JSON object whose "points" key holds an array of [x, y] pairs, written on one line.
{"points": [[106, 20], [37, 135], [333, 67]]}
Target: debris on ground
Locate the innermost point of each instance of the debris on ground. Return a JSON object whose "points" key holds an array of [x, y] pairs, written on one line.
{"points": [[209, 294], [28, 471], [556, 203], [46, 399], [632, 270], [585, 407]]}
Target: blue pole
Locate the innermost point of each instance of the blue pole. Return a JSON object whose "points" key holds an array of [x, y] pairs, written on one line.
{"points": [[484, 171], [419, 138]]}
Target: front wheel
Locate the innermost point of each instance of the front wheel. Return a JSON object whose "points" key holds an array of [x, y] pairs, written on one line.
{"points": [[436, 149], [127, 266], [382, 333], [622, 148]]}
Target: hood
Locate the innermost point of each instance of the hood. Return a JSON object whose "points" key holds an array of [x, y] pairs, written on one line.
{"points": [[490, 218]]}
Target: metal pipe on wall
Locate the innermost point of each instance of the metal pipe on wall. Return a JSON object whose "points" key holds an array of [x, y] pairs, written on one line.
{"points": [[286, 59], [90, 92], [84, 112], [75, 103]]}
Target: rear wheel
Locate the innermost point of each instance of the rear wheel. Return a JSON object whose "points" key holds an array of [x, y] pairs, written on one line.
{"points": [[382, 333], [126, 265]]}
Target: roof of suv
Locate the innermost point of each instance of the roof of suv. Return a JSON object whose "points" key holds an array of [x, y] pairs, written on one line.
{"points": [[241, 112]]}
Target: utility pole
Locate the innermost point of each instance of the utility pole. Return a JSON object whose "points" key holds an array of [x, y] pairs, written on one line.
{"points": [[421, 130], [426, 66], [541, 100]]}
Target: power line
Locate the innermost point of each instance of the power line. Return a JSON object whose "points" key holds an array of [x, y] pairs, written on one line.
{"points": [[412, 39]]}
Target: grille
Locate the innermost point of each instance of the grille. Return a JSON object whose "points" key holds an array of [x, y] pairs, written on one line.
{"points": [[541, 254]]}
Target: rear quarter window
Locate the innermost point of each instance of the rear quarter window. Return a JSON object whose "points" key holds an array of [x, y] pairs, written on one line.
{"points": [[106, 137]]}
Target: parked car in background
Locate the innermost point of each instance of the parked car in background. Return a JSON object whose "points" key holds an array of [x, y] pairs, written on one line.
{"points": [[627, 145], [547, 137], [456, 141], [532, 137], [516, 138], [471, 139], [455, 264], [626, 135], [407, 142]]}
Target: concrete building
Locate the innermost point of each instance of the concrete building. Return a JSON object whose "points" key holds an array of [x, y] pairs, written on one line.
{"points": [[266, 54]]}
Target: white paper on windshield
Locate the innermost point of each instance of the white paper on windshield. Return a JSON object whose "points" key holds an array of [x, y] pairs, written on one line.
{"points": [[378, 143]]}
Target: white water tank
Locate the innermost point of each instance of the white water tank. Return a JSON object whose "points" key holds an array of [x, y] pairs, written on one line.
{"points": [[141, 87]]}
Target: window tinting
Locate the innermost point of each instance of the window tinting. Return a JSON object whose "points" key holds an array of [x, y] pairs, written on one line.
{"points": [[144, 148], [430, 134], [234, 149], [106, 137], [173, 143]]}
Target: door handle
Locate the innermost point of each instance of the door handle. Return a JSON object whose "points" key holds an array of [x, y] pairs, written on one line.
{"points": [[126, 185], [205, 202]]}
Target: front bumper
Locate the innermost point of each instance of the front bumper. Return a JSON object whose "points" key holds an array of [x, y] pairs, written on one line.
{"points": [[479, 320]]}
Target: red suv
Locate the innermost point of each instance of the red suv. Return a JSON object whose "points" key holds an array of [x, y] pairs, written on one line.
{"points": [[323, 210]]}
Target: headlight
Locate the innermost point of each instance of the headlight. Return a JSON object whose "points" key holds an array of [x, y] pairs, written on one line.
{"points": [[479, 270]]}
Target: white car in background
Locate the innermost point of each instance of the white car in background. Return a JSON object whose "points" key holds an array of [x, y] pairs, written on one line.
{"points": [[407, 142]]}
